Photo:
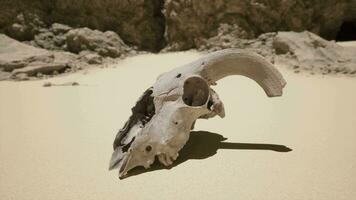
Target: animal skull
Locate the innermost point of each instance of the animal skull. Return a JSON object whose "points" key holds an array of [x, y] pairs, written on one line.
{"points": [[165, 114]]}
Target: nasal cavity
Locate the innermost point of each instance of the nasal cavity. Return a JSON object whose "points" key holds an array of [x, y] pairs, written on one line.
{"points": [[196, 91]]}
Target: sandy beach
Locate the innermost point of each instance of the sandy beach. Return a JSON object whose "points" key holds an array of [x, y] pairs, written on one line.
{"points": [[56, 142]]}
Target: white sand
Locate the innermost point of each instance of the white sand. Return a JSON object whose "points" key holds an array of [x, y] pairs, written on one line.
{"points": [[348, 44], [55, 143]]}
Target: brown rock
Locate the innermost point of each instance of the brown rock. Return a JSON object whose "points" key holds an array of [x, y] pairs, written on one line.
{"points": [[21, 77], [105, 44], [43, 68], [25, 26], [14, 54], [57, 28], [138, 22], [19, 58], [189, 21], [92, 58]]}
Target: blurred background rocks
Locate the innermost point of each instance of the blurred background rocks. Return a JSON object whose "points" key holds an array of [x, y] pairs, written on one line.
{"points": [[94, 31]]}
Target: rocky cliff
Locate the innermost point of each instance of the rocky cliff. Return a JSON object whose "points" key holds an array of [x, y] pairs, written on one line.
{"points": [[190, 22], [138, 22], [178, 24]]}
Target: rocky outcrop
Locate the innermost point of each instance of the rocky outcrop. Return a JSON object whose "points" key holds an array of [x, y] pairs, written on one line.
{"points": [[21, 62], [138, 22], [14, 54], [95, 30], [107, 44], [18, 60], [299, 51], [189, 22], [75, 40], [52, 38], [308, 52], [182, 24], [25, 27]]}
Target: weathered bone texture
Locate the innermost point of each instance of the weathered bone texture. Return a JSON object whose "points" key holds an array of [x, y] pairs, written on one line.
{"points": [[164, 115]]}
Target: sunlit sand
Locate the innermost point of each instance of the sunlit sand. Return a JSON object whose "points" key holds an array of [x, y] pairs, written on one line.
{"points": [[56, 142]]}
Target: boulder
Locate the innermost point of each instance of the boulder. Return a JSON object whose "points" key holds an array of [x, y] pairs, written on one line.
{"points": [[45, 40], [58, 29], [91, 58], [107, 43], [25, 27], [52, 38], [14, 54], [43, 68], [20, 60], [310, 52]]}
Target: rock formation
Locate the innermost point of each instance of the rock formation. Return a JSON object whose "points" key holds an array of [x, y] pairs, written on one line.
{"points": [[20, 61], [189, 22], [107, 44], [300, 51], [93, 31], [138, 22], [182, 24], [308, 52]]}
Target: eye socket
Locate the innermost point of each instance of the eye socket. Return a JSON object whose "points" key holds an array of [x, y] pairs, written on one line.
{"points": [[148, 148], [195, 91]]}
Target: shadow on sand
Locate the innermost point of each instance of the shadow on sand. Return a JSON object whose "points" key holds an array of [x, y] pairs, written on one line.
{"points": [[203, 145]]}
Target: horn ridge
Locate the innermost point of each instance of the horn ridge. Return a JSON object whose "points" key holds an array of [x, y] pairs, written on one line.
{"points": [[218, 65]]}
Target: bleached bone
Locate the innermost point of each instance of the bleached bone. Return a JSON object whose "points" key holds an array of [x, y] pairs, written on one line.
{"points": [[164, 115]]}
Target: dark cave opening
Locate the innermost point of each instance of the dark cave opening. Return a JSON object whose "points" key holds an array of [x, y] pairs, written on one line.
{"points": [[347, 31]]}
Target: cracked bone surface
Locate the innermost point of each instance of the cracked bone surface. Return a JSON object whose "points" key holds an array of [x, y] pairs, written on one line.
{"points": [[165, 114]]}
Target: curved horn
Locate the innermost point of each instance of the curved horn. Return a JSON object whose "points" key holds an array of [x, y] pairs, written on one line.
{"points": [[220, 64]]}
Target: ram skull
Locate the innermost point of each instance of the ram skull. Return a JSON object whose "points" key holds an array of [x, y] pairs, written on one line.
{"points": [[165, 114]]}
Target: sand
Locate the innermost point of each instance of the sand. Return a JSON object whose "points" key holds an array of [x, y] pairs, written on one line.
{"points": [[56, 142]]}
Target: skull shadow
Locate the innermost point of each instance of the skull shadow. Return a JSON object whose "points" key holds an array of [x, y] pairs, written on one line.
{"points": [[202, 145]]}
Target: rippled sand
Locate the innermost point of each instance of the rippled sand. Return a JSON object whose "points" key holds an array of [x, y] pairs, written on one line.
{"points": [[56, 142]]}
